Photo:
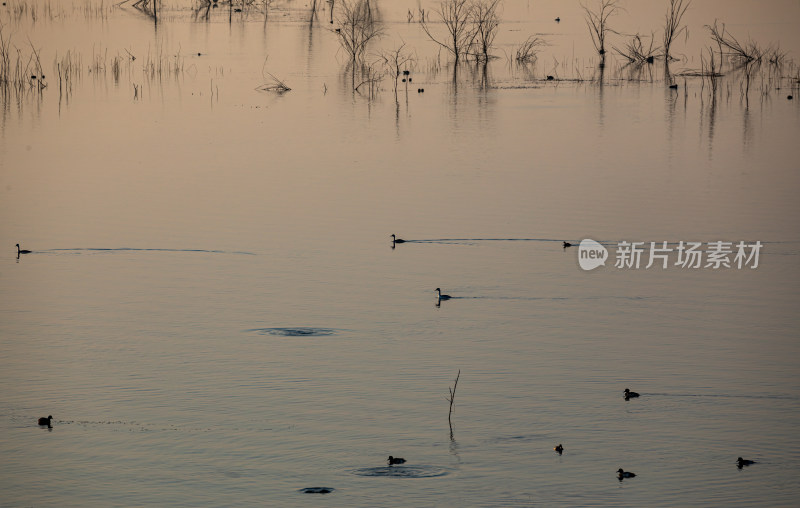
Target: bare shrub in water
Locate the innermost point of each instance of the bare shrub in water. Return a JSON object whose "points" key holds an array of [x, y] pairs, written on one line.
{"points": [[456, 15], [672, 25], [399, 61], [356, 27], [485, 21], [597, 21]]}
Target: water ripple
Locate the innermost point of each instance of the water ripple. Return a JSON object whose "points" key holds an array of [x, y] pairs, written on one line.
{"points": [[402, 471], [299, 331]]}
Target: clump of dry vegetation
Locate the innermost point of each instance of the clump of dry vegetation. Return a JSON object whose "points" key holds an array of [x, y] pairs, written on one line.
{"points": [[272, 83], [528, 51], [636, 52], [730, 46]]}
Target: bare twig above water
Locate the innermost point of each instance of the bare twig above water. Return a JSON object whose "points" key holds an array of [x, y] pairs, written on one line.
{"points": [[452, 399]]}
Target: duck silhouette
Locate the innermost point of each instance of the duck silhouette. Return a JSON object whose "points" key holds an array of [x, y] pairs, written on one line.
{"points": [[397, 240], [396, 460], [624, 474], [629, 394], [740, 462], [22, 251], [559, 449], [440, 296], [46, 421], [567, 244]]}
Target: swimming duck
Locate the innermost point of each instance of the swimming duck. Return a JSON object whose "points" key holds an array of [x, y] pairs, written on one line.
{"points": [[744, 462], [22, 251], [567, 244], [396, 460], [45, 421], [629, 394], [558, 20], [440, 296], [674, 86], [559, 449], [625, 474], [397, 240]]}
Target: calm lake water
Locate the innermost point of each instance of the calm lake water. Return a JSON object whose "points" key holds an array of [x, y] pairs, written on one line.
{"points": [[214, 314]]}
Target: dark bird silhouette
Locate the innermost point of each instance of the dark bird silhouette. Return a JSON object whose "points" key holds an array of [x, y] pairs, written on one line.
{"points": [[45, 421], [625, 474], [22, 251], [558, 20], [674, 87], [397, 240], [440, 296], [629, 394], [740, 462], [396, 460], [550, 78], [559, 449], [567, 244]]}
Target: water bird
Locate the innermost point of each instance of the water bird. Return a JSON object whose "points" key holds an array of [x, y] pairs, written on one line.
{"points": [[440, 296], [740, 462], [420, 90], [22, 251], [651, 59], [674, 86], [789, 97], [628, 394], [404, 80], [338, 30], [558, 20], [550, 78], [406, 73], [409, 80], [397, 240], [567, 244], [559, 449], [396, 460], [625, 474], [45, 421]]}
